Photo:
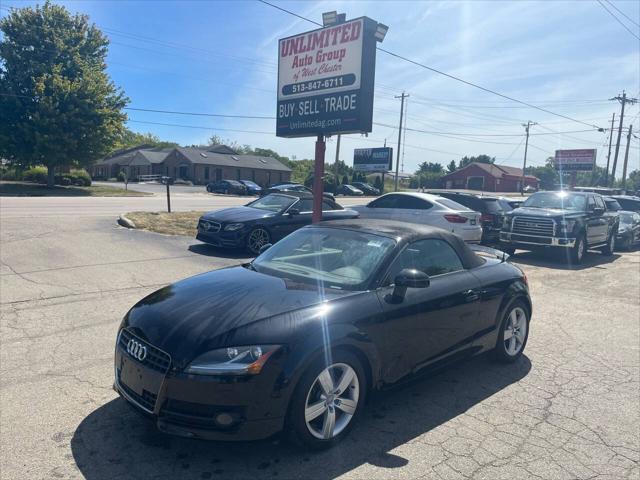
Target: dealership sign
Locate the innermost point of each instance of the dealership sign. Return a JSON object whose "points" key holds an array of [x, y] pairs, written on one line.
{"points": [[574, 160], [325, 80], [373, 159]]}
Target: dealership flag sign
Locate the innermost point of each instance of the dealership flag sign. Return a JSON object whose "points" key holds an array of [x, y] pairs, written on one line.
{"points": [[574, 160], [326, 79]]}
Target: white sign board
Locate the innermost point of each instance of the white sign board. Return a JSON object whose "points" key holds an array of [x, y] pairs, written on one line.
{"points": [[574, 160], [320, 80]]}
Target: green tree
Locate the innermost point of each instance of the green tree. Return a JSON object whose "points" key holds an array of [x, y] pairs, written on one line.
{"points": [[130, 139], [633, 181], [59, 107], [378, 183], [430, 167], [548, 175], [480, 159], [452, 167]]}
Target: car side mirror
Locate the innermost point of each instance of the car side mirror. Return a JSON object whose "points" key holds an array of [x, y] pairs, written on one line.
{"points": [[408, 278], [293, 211], [264, 248], [598, 211]]}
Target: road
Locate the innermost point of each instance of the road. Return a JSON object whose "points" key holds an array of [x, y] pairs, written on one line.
{"points": [[568, 409], [184, 200]]}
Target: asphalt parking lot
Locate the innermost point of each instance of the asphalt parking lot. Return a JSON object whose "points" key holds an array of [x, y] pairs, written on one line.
{"points": [[569, 409]]}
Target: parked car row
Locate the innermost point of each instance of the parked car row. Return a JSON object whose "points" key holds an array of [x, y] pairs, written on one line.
{"points": [[248, 187]]}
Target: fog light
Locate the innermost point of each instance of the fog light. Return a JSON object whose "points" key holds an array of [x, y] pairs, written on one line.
{"points": [[224, 419]]}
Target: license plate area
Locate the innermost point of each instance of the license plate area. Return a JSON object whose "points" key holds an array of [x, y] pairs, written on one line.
{"points": [[139, 383]]}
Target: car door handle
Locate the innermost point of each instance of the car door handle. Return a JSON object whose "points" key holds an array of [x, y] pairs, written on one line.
{"points": [[471, 295]]}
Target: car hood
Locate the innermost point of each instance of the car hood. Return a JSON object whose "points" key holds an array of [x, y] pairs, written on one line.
{"points": [[197, 314], [237, 214], [544, 212]]}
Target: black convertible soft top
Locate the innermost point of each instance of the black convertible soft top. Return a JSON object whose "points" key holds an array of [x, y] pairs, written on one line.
{"points": [[404, 232]]}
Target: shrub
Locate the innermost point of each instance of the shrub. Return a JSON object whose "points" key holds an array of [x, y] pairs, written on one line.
{"points": [[121, 176], [80, 177], [35, 174], [10, 173]]}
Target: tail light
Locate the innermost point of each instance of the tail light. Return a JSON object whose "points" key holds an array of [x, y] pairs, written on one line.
{"points": [[455, 218], [485, 217]]}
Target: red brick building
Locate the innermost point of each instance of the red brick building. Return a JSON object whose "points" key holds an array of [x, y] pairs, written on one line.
{"points": [[488, 177]]}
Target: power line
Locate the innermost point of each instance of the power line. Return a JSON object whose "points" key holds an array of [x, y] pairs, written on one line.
{"points": [[453, 77], [617, 19], [623, 14], [200, 114], [199, 127]]}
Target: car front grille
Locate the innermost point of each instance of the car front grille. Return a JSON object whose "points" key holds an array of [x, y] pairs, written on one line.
{"points": [[155, 359], [147, 400], [209, 226], [540, 226]]}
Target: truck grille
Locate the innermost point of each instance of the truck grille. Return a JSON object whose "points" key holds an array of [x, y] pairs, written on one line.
{"points": [[156, 359], [533, 226]]}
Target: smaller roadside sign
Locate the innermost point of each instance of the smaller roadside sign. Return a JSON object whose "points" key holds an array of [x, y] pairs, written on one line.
{"points": [[373, 159], [575, 160]]}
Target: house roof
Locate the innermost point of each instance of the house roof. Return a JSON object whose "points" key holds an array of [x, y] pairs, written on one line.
{"points": [[207, 157], [497, 171], [145, 157]]}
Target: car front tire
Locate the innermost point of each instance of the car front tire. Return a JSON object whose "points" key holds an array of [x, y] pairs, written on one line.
{"points": [[611, 245], [327, 401], [257, 238], [579, 249], [513, 334]]}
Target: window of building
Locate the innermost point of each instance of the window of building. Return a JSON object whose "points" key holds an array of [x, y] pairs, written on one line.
{"points": [[206, 173], [238, 176], [218, 174]]}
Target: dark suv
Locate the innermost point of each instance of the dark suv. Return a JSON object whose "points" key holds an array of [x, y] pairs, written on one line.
{"points": [[575, 221], [491, 209], [628, 202]]}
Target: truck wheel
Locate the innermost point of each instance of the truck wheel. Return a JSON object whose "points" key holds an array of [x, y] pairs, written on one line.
{"points": [[611, 245], [579, 249]]}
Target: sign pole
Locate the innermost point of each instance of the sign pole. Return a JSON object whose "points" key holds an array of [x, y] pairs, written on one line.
{"points": [[318, 175]]}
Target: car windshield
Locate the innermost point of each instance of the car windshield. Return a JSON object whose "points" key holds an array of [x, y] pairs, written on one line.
{"points": [[249, 183], [626, 218], [564, 201], [492, 205], [327, 257], [273, 203]]}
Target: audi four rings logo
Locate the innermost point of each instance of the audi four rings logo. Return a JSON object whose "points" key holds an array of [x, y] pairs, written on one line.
{"points": [[136, 350]]}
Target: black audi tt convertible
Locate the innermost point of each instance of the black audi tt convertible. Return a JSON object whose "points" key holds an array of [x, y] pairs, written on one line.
{"points": [[297, 339]]}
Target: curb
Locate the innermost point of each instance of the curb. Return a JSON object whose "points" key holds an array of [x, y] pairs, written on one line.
{"points": [[123, 221]]}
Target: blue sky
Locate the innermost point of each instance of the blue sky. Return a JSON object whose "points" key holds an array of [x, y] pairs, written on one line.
{"points": [[220, 57]]}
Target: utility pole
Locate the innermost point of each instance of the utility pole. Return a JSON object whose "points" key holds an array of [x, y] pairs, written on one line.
{"points": [[626, 158], [606, 173], [526, 147], [401, 97], [337, 160], [623, 100]]}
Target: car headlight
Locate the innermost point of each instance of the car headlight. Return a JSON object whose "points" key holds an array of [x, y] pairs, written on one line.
{"points": [[232, 227], [566, 225], [246, 360]]}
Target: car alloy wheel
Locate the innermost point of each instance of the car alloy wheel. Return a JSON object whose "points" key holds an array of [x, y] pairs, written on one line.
{"points": [[332, 401], [611, 244], [515, 331], [258, 237]]}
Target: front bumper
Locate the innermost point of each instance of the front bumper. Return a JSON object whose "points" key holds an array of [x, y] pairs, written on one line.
{"points": [[235, 239], [516, 239], [208, 407]]}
